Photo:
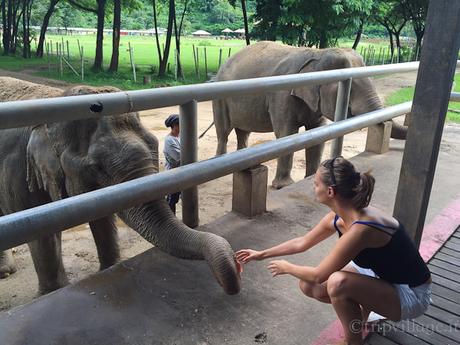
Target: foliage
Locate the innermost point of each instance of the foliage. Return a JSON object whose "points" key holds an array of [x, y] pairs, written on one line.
{"points": [[310, 23]]}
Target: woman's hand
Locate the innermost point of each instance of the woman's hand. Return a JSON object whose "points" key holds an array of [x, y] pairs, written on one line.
{"points": [[246, 255], [278, 267]]}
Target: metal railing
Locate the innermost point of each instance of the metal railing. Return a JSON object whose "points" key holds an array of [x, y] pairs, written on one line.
{"points": [[24, 226]]}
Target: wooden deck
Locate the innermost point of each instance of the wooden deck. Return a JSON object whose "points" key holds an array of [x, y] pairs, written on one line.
{"points": [[441, 322]]}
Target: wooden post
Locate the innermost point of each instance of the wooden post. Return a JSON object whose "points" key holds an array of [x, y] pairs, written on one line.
{"points": [[131, 58], [431, 98], [68, 51], [175, 64], [364, 55], [48, 56], [78, 44], [51, 45], [198, 62], [220, 57], [82, 61], [194, 60], [205, 64], [61, 67], [229, 52]]}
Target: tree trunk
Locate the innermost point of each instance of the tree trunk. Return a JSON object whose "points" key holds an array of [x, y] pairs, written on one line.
{"points": [[358, 34], [323, 43], [245, 18], [98, 59], [164, 61], [16, 20], [155, 22], [46, 21], [25, 36], [115, 36], [7, 28], [177, 39], [6, 31]]}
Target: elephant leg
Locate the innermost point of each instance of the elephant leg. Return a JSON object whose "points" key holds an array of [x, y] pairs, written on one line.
{"points": [[284, 165], [313, 157], [105, 235], [222, 123], [242, 138], [7, 265], [47, 258]]}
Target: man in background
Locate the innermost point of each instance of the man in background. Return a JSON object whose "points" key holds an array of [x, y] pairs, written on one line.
{"points": [[172, 154]]}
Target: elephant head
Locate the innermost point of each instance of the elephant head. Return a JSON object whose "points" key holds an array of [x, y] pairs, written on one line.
{"points": [[322, 98], [73, 157]]}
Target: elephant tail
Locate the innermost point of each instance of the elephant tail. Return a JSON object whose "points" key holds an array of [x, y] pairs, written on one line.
{"points": [[206, 130]]}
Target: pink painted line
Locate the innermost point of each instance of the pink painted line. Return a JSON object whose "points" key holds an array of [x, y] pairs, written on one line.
{"points": [[434, 236]]}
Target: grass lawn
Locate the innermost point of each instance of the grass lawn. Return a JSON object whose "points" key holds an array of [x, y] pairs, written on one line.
{"points": [[406, 94], [145, 59]]}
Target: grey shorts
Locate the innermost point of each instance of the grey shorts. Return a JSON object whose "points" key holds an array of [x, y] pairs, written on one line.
{"points": [[414, 300]]}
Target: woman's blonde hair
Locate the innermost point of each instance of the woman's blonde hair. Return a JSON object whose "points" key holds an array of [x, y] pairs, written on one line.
{"points": [[340, 174]]}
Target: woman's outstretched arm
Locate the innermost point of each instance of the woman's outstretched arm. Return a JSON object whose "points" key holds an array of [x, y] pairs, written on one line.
{"points": [[320, 232]]}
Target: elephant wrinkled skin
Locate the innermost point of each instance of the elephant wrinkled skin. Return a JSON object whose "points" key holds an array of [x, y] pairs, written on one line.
{"points": [[50, 162], [283, 112]]}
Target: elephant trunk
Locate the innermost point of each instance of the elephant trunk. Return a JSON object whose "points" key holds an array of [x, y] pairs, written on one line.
{"points": [[397, 131], [157, 224]]}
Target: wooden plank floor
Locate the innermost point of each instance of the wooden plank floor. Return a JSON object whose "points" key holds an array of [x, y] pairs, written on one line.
{"points": [[441, 322]]}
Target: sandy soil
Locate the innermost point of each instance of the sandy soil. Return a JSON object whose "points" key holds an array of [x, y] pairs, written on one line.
{"points": [[79, 252]]}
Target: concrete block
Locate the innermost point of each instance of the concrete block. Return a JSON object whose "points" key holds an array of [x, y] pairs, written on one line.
{"points": [[378, 137], [250, 191]]}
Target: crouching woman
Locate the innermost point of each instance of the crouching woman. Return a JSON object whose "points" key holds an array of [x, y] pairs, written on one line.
{"points": [[374, 266]]}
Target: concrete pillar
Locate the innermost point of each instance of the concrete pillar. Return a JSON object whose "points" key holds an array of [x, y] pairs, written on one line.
{"points": [[378, 137], [250, 191]]}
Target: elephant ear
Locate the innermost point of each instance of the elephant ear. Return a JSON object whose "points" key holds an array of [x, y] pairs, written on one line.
{"points": [[44, 171], [309, 94], [322, 97]]}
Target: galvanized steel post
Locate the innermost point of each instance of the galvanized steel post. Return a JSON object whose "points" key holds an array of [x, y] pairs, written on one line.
{"points": [[341, 110], [189, 154]]}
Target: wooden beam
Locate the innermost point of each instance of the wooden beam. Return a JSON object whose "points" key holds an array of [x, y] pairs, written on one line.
{"points": [[432, 91]]}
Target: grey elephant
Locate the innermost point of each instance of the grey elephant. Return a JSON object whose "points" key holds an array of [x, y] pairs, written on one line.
{"points": [[45, 163], [283, 112]]}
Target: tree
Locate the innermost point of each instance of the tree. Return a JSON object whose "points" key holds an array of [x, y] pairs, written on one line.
{"points": [[115, 36], [169, 29], [392, 16], [44, 27], [245, 19], [99, 10], [416, 11], [26, 14], [310, 23]]}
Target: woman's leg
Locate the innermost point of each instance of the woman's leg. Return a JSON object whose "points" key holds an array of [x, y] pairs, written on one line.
{"points": [[319, 291], [351, 293]]}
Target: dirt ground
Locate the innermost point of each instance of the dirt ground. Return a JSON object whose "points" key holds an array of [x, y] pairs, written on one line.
{"points": [[79, 251]]}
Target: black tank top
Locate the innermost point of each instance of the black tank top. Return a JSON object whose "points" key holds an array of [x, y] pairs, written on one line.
{"points": [[397, 262]]}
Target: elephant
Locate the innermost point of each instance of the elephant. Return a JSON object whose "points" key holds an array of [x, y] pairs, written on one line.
{"points": [[283, 112], [45, 163]]}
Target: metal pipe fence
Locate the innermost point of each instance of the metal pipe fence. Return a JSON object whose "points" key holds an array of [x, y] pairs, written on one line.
{"points": [[24, 226], [37, 111]]}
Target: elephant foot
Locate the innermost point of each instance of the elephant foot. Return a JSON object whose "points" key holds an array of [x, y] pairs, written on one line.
{"points": [[279, 183], [7, 265], [45, 289]]}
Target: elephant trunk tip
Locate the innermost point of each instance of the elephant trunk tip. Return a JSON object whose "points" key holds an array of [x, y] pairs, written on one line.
{"points": [[221, 259]]}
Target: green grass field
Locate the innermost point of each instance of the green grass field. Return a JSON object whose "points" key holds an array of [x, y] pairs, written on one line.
{"points": [[145, 59], [406, 94]]}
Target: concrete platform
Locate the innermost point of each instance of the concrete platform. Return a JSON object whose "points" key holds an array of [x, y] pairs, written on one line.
{"points": [[156, 299]]}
